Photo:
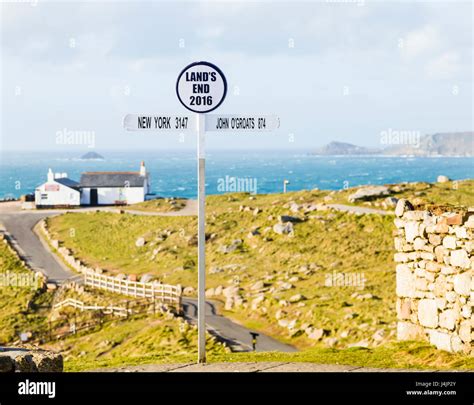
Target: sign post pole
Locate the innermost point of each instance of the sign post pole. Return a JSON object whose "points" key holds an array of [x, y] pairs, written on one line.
{"points": [[201, 159], [201, 87]]}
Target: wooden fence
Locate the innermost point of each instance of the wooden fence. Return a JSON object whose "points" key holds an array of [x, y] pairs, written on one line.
{"points": [[114, 310], [167, 294], [99, 316]]}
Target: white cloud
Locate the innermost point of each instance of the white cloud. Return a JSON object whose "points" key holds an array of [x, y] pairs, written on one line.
{"points": [[420, 42], [444, 67]]}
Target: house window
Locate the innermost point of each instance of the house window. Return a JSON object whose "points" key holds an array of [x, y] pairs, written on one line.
{"points": [[44, 196]]}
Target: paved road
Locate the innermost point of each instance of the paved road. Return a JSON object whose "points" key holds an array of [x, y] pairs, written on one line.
{"points": [[31, 248], [253, 367], [236, 336]]}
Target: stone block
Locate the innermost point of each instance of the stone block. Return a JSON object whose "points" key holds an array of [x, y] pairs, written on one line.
{"points": [[403, 309], [460, 258], [405, 281], [448, 319], [449, 242], [409, 331], [465, 331], [434, 239], [462, 283], [428, 313], [412, 230], [441, 340]]}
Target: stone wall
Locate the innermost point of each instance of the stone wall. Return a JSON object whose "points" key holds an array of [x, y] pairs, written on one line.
{"points": [[29, 359], [435, 288]]}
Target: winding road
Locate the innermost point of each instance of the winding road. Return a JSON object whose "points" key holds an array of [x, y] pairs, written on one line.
{"points": [[236, 336], [19, 228]]}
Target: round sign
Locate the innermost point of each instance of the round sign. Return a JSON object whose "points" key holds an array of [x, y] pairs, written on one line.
{"points": [[201, 87]]}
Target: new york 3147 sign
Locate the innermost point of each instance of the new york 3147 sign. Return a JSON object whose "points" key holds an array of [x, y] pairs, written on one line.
{"points": [[201, 87]]}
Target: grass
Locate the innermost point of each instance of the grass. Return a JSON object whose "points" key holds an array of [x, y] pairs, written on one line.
{"points": [[395, 355], [458, 193], [325, 245], [15, 318], [151, 339], [158, 205], [398, 355]]}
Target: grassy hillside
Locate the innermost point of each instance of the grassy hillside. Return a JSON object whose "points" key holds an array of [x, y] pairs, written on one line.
{"points": [[15, 318], [456, 193], [324, 245], [161, 338], [403, 355], [281, 280], [149, 339], [158, 205], [396, 355]]}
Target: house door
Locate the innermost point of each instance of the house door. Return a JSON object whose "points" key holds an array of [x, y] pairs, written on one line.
{"points": [[94, 197]]}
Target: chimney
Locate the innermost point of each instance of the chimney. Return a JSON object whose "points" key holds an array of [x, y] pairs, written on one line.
{"points": [[142, 169], [50, 175]]}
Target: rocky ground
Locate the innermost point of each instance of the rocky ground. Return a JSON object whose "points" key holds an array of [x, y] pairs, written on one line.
{"points": [[29, 359]]}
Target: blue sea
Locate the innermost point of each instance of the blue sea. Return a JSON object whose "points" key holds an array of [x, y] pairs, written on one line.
{"points": [[173, 173]]}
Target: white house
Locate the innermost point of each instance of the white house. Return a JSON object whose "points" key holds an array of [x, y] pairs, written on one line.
{"points": [[58, 191], [95, 188], [110, 188]]}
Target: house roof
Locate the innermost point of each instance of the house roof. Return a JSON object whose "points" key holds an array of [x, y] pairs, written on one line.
{"points": [[112, 179], [67, 182]]}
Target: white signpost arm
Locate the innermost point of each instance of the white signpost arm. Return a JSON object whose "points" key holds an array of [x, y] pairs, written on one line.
{"points": [[201, 128]]}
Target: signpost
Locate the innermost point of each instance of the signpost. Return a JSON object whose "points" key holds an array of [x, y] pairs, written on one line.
{"points": [[201, 88], [166, 122], [241, 123]]}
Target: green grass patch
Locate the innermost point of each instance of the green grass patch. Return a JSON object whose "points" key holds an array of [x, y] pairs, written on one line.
{"points": [[398, 355], [150, 339], [158, 205], [15, 316]]}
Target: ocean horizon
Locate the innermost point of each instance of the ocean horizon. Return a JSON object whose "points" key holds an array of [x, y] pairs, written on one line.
{"points": [[173, 173]]}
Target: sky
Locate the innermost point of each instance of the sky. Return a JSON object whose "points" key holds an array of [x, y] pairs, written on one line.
{"points": [[344, 70]]}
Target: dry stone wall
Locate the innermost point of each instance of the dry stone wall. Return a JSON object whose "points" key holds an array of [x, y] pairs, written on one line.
{"points": [[434, 283]]}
